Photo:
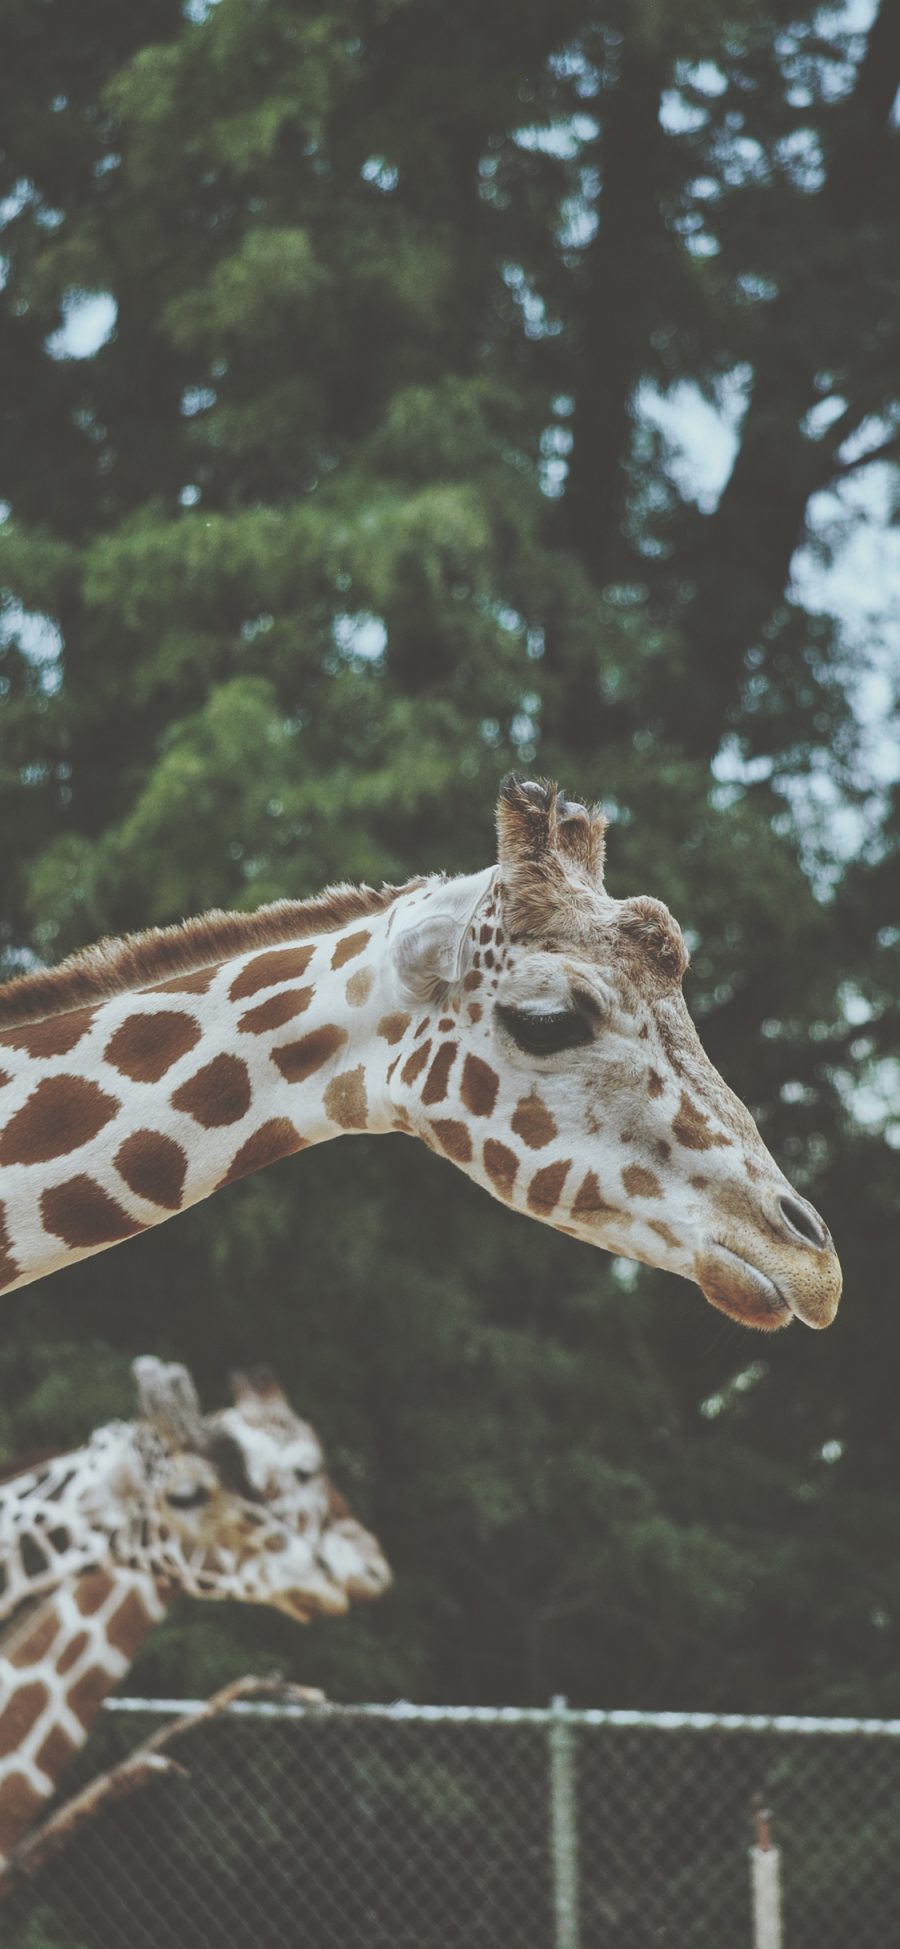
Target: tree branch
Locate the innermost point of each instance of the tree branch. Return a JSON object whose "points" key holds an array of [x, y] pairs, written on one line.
{"points": [[148, 1762]]}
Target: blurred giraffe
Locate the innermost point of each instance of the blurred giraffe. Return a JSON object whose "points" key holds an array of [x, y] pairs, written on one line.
{"points": [[99, 1543]]}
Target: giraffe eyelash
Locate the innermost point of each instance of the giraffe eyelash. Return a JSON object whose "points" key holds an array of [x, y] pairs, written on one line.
{"points": [[545, 1034], [187, 1498]]}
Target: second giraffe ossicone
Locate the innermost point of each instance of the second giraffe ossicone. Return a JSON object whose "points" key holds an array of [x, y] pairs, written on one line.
{"points": [[230, 1505], [520, 1021]]}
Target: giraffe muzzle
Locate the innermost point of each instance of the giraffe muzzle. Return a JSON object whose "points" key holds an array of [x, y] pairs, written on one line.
{"points": [[770, 1287]]}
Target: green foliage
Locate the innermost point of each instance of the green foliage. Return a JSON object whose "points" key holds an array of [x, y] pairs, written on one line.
{"points": [[363, 502]]}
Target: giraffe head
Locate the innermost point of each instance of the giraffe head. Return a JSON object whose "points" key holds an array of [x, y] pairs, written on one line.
{"points": [[238, 1504], [563, 1072], [215, 1506], [284, 1467]]}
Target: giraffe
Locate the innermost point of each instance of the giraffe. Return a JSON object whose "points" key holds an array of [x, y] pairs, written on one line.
{"points": [[519, 1021], [235, 1504]]}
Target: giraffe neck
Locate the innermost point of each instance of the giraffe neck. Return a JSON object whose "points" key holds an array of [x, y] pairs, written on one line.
{"points": [[56, 1668], [118, 1115]]}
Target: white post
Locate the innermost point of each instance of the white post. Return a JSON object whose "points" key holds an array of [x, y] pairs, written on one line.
{"points": [[765, 1881], [564, 1828]]}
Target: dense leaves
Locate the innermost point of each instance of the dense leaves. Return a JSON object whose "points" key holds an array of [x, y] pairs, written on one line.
{"points": [[366, 496]]}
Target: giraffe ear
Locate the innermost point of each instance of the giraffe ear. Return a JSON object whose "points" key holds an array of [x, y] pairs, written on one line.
{"points": [[168, 1400], [426, 958], [261, 1384], [548, 848]]}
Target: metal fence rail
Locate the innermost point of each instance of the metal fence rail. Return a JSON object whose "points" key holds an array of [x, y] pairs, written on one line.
{"points": [[404, 1827]]}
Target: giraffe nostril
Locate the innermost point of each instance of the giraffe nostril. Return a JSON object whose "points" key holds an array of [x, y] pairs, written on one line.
{"points": [[805, 1222]]}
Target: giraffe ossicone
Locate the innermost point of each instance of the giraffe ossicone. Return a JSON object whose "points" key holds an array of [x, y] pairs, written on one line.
{"points": [[96, 1545], [520, 1021]]}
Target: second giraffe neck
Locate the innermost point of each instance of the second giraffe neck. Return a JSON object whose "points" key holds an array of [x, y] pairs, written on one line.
{"points": [[56, 1669]]}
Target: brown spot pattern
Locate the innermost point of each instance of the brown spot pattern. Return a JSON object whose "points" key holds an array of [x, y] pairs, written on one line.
{"points": [[20, 1805], [345, 1099], [154, 1167], [145, 1046], [35, 1644], [217, 1094], [9, 1266], [454, 1138], [655, 1084], [533, 1122], [479, 1086], [641, 1183], [693, 1129], [350, 946], [359, 986], [474, 1011], [88, 1693], [664, 1232], [278, 964], [55, 1036], [22, 1712], [278, 1009], [297, 1060], [70, 1655], [590, 1202], [435, 1085], [472, 980], [81, 1213], [501, 1165], [91, 1591], [129, 1625], [416, 1062], [392, 1027], [545, 1189], [195, 983], [63, 1113], [275, 1139], [55, 1752]]}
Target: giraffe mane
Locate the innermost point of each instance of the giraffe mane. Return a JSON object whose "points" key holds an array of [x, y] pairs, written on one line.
{"points": [[117, 966]]}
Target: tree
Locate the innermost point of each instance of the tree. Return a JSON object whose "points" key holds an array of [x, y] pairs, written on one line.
{"points": [[363, 501]]}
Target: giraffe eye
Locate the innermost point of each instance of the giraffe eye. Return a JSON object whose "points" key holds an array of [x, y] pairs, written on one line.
{"points": [[188, 1498], [545, 1034], [304, 1475]]}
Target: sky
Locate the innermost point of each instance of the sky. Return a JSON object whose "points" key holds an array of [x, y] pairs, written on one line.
{"points": [[861, 584]]}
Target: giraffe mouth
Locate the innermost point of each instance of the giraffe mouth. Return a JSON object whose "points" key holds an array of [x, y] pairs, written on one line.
{"points": [[740, 1289]]}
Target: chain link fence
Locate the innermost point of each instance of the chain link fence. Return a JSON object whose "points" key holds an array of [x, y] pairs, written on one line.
{"points": [[403, 1827]]}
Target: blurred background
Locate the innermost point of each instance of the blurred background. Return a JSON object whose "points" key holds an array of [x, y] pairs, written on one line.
{"points": [[394, 393]]}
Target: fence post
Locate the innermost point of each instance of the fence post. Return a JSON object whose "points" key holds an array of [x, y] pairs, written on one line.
{"points": [[563, 1827], [765, 1879]]}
